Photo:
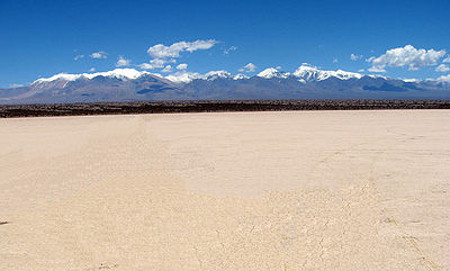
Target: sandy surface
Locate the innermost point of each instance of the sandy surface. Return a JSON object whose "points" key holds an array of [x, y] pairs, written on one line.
{"points": [[332, 190]]}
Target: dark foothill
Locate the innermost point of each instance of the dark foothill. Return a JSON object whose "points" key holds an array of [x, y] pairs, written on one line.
{"points": [[79, 109]]}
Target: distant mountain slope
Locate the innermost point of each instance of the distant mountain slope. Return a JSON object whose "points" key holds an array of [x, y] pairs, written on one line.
{"points": [[307, 82]]}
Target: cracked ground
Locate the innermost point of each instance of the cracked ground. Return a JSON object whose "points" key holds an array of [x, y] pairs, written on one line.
{"points": [[334, 190]]}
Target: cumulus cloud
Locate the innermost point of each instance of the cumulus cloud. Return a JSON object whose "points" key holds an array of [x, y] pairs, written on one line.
{"points": [[154, 64], [92, 69], [78, 57], [99, 55], [174, 50], [442, 68], [361, 70], [446, 60], [168, 68], [229, 50], [444, 78], [355, 57], [182, 66], [406, 56], [163, 55], [250, 67], [122, 62]]}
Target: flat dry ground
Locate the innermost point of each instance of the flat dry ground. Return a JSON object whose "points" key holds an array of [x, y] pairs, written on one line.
{"points": [[331, 190]]}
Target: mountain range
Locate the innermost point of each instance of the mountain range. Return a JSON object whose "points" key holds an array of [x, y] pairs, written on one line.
{"points": [[307, 82]]}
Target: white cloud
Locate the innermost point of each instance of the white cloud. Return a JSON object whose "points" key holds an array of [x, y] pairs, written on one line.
{"points": [[183, 77], [212, 75], [168, 68], [446, 60], [442, 68], [99, 55], [92, 69], [121, 62], [182, 66], [250, 67], [146, 66], [376, 69], [78, 57], [15, 85], [232, 48], [154, 64], [407, 56], [159, 63], [410, 80], [361, 70], [174, 50], [444, 78], [335, 60], [355, 57]]}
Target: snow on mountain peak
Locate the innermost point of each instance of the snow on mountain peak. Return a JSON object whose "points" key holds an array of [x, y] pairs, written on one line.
{"points": [[307, 72], [304, 73], [122, 74], [240, 76], [187, 77], [213, 75], [59, 76], [273, 73], [183, 77]]}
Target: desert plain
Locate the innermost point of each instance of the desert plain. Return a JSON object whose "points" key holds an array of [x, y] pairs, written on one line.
{"points": [[294, 190]]}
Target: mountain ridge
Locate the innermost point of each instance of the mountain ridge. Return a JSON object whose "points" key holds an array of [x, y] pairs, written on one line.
{"points": [[306, 82]]}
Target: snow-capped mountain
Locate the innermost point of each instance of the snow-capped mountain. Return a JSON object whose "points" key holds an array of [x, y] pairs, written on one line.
{"points": [[306, 82], [306, 73], [213, 75], [240, 76], [122, 74], [270, 73]]}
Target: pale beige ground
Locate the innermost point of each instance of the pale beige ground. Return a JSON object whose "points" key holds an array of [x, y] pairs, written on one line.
{"points": [[336, 190]]}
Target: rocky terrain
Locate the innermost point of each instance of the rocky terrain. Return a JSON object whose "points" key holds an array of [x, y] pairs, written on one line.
{"points": [[40, 110]]}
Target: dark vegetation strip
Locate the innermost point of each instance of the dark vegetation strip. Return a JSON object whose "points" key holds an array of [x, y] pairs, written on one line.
{"points": [[80, 109]]}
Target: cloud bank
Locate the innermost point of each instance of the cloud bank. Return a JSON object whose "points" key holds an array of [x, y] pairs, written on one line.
{"points": [[408, 56]]}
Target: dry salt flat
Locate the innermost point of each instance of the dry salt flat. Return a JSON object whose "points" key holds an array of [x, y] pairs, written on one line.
{"points": [[322, 190]]}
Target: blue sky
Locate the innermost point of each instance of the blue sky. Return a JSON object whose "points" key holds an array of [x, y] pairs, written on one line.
{"points": [[42, 38]]}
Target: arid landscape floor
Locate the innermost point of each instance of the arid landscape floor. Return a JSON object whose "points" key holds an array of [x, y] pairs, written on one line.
{"points": [[322, 190]]}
